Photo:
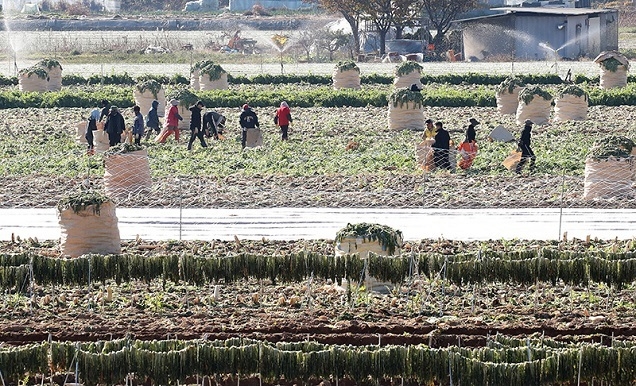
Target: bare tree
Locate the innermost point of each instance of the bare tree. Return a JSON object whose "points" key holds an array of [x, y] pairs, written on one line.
{"points": [[332, 41], [351, 10], [442, 12]]}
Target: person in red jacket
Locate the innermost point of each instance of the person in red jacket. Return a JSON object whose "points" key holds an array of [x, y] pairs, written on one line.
{"points": [[172, 122], [283, 118]]}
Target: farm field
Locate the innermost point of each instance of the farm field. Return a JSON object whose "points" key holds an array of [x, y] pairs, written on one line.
{"points": [[267, 312]]}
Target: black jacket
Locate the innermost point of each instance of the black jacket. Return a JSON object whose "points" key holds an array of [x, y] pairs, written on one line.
{"points": [[248, 119], [471, 134], [115, 123], [195, 118], [442, 139]]}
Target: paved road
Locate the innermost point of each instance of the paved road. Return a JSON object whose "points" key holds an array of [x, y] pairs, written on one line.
{"points": [[315, 223]]}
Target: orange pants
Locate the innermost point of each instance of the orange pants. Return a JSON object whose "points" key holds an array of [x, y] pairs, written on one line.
{"points": [[163, 136]]}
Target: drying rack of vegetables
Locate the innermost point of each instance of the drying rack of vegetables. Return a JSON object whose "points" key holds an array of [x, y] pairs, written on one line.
{"points": [[527, 94], [615, 269], [615, 146], [404, 96], [503, 361], [389, 238]]}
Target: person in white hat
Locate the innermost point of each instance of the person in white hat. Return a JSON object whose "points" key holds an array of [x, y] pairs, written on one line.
{"points": [[524, 147]]}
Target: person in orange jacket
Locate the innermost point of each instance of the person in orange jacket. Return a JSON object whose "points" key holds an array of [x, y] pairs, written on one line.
{"points": [[468, 148], [283, 118]]}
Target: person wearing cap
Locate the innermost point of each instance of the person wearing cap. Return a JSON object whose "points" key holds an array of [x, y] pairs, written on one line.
{"points": [[138, 125], [172, 122], [114, 126], [247, 120], [429, 132], [283, 119], [195, 125], [468, 148], [441, 147], [524, 147]]}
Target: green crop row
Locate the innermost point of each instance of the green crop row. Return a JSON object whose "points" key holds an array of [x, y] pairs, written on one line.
{"points": [[453, 79], [442, 96]]}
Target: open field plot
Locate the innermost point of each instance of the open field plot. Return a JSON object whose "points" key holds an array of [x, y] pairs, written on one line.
{"points": [[314, 168]]}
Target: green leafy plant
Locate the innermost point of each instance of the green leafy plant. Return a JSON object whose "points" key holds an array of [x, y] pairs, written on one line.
{"points": [[81, 200], [574, 90], [37, 71], [123, 148], [611, 64], [408, 67], [611, 146], [183, 94], [527, 94], [152, 85], [214, 71], [509, 84], [388, 237], [201, 64], [347, 65], [49, 63], [403, 96]]}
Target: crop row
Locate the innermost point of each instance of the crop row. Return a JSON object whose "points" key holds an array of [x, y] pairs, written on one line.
{"points": [[441, 96], [453, 79], [528, 268], [168, 362]]}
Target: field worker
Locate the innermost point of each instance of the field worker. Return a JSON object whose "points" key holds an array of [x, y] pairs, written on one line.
{"points": [[471, 134], [138, 125], [429, 132], [248, 120], [105, 110], [441, 147], [213, 123], [152, 119], [172, 122], [114, 126], [195, 125], [283, 118], [524, 147], [90, 127]]}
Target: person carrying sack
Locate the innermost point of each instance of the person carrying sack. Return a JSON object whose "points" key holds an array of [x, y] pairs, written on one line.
{"points": [[525, 149], [248, 120]]}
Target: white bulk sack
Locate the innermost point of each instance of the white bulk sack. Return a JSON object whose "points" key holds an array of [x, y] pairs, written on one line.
{"points": [[144, 101], [538, 111], [613, 79], [407, 116], [507, 103], [89, 230], [570, 107], [254, 138], [346, 79], [55, 78], [32, 83], [608, 178], [219, 84], [413, 77], [127, 173], [80, 135], [194, 79]]}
